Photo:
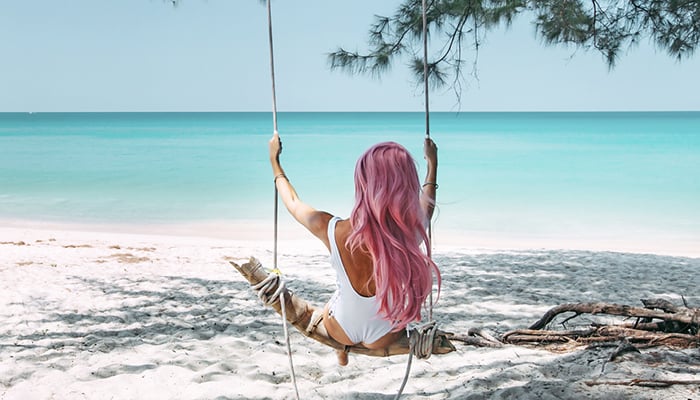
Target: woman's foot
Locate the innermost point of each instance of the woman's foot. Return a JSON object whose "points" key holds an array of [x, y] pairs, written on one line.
{"points": [[342, 357]]}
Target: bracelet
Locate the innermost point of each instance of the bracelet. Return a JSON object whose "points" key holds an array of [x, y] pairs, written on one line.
{"points": [[280, 176], [431, 183]]}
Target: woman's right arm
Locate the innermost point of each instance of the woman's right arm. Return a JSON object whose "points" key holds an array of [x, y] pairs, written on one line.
{"points": [[430, 184]]}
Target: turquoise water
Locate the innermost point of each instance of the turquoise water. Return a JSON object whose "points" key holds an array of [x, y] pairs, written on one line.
{"points": [[534, 173]]}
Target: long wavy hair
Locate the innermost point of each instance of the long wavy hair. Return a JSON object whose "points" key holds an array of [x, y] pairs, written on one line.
{"points": [[388, 222]]}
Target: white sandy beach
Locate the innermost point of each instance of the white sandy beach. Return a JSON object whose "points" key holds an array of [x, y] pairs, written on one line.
{"points": [[118, 315]]}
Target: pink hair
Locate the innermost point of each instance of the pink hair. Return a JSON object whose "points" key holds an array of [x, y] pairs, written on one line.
{"points": [[389, 223]]}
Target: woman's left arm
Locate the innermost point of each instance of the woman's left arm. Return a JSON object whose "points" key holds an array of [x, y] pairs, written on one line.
{"points": [[315, 221]]}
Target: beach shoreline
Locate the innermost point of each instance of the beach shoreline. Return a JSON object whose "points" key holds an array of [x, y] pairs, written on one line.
{"points": [[259, 234]]}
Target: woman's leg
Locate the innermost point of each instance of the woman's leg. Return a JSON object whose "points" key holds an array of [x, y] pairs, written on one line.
{"points": [[336, 332], [342, 357]]}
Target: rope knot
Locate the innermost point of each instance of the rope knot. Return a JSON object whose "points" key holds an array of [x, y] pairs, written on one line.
{"points": [[270, 289], [421, 340]]}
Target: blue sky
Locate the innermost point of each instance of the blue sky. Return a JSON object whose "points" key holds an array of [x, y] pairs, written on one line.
{"points": [[211, 55]]}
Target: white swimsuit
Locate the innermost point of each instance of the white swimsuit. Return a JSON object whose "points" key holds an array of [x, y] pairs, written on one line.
{"points": [[356, 314]]}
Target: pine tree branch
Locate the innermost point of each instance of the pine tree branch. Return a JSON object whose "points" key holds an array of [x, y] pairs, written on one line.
{"points": [[607, 26]]}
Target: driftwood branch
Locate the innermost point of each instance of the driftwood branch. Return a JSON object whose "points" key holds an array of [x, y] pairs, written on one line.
{"points": [[675, 326], [307, 319], [660, 304], [599, 335], [479, 338], [681, 315], [652, 383]]}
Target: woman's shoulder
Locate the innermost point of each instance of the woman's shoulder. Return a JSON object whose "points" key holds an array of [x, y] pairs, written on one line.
{"points": [[318, 225], [342, 226]]}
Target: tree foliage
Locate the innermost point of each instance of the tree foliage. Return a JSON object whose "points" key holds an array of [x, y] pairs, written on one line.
{"points": [[607, 26]]}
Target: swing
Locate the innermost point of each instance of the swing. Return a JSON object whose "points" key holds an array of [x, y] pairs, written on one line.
{"points": [[297, 311], [300, 314], [421, 341]]}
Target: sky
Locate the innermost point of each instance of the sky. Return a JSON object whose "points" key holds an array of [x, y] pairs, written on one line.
{"points": [[212, 55]]}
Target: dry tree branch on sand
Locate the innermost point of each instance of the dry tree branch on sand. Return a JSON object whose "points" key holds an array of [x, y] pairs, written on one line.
{"points": [[675, 326]]}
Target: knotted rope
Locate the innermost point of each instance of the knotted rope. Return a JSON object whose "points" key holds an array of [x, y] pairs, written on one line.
{"points": [[425, 71], [274, 280], [420, 340], [422, 337], [270, 291]]}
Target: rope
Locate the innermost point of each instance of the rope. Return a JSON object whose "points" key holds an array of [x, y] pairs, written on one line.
{"points": [[289, 347], [273, 280], [425, 71], [427, 118], [274, 121], [405, 377], [272, 66], [421, 338], [271, 290], [420, 342]]}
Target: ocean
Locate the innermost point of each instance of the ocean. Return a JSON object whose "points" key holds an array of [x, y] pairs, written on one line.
{"points": [[528, 174]]}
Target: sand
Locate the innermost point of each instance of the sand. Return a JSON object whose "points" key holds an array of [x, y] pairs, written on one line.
{"points": [[117, 315]]}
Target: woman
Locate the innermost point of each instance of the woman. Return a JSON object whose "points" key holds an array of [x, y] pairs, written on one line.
{"points": [[383, 274]]}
